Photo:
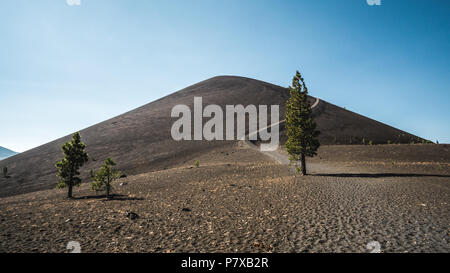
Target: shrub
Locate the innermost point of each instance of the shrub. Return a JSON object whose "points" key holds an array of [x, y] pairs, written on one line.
{"points": [[104, 177], [196, 164]]}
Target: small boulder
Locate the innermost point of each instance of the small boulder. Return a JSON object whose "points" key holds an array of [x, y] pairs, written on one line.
{"points": [[132, 215]]}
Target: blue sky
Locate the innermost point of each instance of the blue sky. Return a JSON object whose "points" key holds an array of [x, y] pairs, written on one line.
{"points": [[63, 68]]}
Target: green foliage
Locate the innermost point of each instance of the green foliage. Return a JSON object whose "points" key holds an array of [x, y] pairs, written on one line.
{"points": [[74, 158], [5, 172], [388, 142], [370, 142], [104, 177], [196, 164], [301, 129], [364, 141]]}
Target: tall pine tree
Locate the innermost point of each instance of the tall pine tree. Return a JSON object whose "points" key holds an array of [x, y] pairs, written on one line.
{"points": [[74, 158], [301, 129]]}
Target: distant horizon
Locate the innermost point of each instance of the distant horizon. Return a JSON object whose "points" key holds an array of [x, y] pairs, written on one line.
{"points": [[65, 67], [5, 153], [6, 148]]}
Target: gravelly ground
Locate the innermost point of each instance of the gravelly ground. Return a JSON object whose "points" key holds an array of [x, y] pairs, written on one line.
{"points": [[240, 201]]}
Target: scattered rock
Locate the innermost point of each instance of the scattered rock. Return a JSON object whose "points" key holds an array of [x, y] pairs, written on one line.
{"points": [[132, 215], [186, 209], [123, 184], [68, 220], [123, 176]]}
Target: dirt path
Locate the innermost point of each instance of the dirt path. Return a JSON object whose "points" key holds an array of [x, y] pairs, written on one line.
{"points": [[281, 156]]}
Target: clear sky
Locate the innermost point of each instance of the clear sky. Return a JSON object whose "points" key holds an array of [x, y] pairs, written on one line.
{"points": [[66, 67]]}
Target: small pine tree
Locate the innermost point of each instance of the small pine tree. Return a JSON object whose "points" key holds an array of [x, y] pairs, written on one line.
{"points": [[104, 177], [5, 172], [74, 158], [196, 164], [301, 129]]}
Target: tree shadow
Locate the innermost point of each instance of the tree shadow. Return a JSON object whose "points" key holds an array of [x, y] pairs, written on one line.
{"points": [[112, 197], [379, 175]]}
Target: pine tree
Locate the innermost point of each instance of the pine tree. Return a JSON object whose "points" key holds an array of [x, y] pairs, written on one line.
{"points": [[104, 177], [301, 129], [74, 158]]}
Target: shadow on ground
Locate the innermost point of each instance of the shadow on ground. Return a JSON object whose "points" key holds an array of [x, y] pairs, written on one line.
{"points": [[379, 175], [113, 197]]}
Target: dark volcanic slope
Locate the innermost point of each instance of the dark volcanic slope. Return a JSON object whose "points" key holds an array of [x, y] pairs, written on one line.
{"points": [[340, 126], [140, 140]]}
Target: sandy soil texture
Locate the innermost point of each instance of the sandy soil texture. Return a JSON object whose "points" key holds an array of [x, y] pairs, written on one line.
{"points": [[239, 200]]}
